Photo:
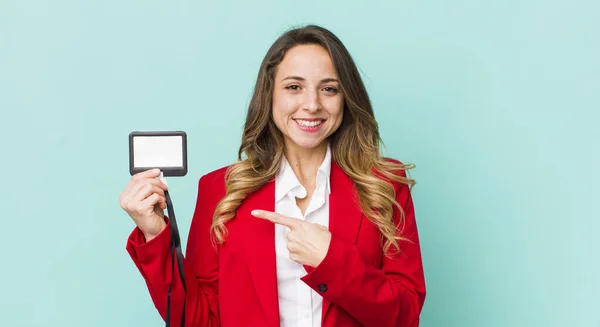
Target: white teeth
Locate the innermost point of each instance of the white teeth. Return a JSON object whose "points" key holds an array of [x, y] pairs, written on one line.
{"points": [[309, 123]]}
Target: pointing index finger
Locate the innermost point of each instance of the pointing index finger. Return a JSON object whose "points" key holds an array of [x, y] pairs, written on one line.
{"points": [[277, 218]]}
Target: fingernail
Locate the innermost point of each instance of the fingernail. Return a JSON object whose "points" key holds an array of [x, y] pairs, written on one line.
{"points": [[255, 212]]}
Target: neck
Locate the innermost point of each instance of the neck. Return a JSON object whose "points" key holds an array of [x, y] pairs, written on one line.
{"points": [[306, 162]]}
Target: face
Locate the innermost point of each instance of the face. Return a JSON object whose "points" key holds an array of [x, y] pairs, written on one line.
{"points": [[307, 99]]}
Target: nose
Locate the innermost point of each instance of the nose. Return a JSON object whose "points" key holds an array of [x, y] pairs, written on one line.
{"points": [[312, 102]]}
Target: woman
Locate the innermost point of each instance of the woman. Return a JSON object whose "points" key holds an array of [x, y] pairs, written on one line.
{"points": [[312, 228]]}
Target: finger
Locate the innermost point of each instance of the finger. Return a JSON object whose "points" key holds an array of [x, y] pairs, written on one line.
{"points": [[158, 182], [162, 204], [276, 218], [140, 184], [292, 236], [147, 190], [152, 200], [138, 192], [152, 181], [145, 206], [133, 186], [292, 247], [295, 257], [151, 173], [127, 192], [321, 227], [130, 191]]}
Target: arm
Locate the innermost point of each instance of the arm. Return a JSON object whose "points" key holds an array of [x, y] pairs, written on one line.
{"points": [[391, 296], [153, 260]]}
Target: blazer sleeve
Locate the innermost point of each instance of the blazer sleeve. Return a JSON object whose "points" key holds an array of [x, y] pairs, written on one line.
{"points": [[153, 260], [388, 296]]}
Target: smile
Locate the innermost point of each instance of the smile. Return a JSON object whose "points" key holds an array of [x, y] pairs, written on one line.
{"points": [[309, 123]]}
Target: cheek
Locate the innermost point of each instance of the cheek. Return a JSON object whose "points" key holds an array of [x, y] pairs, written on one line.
{"points": [[336, 109], [283, 106]]}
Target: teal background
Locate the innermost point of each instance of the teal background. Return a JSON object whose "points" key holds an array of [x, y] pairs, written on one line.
{"points": [[496, 102]]}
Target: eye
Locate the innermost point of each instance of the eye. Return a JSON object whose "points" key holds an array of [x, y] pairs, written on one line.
{"points": [[331, 89], [293, 87]]}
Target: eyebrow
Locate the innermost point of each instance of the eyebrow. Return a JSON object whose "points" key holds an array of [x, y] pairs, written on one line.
{"points": [[298, 78]]}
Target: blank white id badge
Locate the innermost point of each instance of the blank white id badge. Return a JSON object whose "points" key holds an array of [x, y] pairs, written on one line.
{"points": [[164, 150]]}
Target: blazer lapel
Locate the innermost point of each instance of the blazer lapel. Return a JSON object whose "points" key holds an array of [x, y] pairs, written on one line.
{"points": [[260, 250], [345, 214]]}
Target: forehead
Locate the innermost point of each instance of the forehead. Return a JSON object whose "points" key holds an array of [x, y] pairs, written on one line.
{"points": [[307, 61]]}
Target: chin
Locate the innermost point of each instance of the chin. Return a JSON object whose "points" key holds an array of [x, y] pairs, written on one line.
{"points": [[307, 144]]}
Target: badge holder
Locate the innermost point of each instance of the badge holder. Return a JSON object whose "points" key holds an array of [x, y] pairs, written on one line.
{"points": [[166, 151]]}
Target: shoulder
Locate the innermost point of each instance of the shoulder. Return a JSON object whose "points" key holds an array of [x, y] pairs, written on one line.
{"points": [[398, 166], [211, 186], [392, 160], [215, 176], [214, 180], [399, 169]]}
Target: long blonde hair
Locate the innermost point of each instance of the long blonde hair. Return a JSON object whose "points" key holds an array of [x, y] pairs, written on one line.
{"points": [[355, 144]]}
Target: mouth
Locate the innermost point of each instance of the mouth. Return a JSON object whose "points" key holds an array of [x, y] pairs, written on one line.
{"points": [[310, 123]]}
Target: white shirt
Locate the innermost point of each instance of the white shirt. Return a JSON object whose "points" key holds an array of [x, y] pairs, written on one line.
{"points": [[299, 305]]}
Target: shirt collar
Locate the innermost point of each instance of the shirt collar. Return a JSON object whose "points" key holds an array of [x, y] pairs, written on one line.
{"points": [[286, 179]]}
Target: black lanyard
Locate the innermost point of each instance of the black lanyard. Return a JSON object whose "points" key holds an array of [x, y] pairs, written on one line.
{"points": [[175, 251]]}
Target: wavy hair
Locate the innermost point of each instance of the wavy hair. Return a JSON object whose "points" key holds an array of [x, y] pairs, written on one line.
{"points": [[263, 145]]}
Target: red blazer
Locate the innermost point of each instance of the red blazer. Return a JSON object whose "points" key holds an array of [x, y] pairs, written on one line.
{"points": [[235, 285]]}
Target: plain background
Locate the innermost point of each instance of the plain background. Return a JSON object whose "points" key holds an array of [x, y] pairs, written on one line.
{"points": [[496, 102]]}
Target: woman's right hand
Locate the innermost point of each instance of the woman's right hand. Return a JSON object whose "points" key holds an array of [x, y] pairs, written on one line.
{"points": [[144, 201]]}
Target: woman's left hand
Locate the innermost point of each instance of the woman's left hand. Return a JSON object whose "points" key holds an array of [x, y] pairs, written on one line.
{"points": [[307, 242]]}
